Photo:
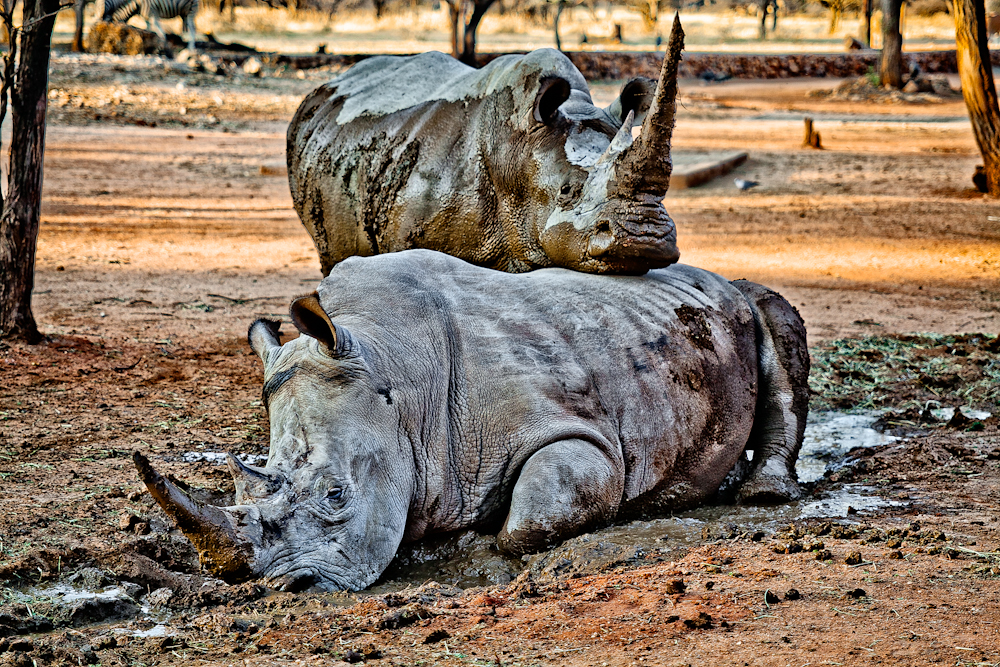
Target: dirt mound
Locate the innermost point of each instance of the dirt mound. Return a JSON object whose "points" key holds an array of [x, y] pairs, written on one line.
{"points": [[923, 88]]}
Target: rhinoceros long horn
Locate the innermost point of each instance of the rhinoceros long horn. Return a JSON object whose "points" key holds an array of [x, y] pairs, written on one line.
{"points": [[223, 552], [646, 167]]}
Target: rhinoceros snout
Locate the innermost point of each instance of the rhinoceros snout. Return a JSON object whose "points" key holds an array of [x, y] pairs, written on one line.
{"points": [[635, 244]]}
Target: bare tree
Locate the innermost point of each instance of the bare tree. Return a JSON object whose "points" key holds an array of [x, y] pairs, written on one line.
{"points": [[978, 89], [465, 16], [891, 66], [25, 78]]}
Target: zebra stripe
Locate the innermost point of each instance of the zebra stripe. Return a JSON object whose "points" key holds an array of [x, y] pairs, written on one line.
{"points": [[151, 11]]}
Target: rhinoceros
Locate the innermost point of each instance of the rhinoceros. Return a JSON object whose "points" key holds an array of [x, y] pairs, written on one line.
{"points": [[430, 395], [510, 166]]}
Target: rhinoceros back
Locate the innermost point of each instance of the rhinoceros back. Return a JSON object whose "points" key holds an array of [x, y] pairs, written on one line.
{"points": [[659, 371], [387, 156]]}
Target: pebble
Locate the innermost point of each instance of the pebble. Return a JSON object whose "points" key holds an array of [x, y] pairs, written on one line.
{"points": [[853, 558]]}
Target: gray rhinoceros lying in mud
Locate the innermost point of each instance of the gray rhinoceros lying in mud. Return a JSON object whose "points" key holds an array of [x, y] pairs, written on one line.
{"points": [[430, 395], [510, 166]]}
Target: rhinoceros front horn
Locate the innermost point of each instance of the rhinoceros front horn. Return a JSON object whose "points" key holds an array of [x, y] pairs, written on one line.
{"points": [[645, 168], [223, 552]]}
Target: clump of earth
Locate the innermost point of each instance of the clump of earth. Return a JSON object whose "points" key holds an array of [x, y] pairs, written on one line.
{"points": [[920, 88]]}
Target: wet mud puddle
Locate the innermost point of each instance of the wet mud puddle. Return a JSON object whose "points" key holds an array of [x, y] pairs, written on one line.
{"points": [[469, 559]]}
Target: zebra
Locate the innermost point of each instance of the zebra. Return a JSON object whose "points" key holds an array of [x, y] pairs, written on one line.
{"points": [[152, 11]]}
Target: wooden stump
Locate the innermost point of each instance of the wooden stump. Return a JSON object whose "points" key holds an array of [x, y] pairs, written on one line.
{"points": [[811, 139]]}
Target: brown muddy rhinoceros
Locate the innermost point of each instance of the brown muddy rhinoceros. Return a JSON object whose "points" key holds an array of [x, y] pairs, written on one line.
{"points": [[430, 395], [510, 166]]}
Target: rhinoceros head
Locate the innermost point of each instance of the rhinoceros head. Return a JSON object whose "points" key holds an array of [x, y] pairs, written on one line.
{"points": [[329, 508], [606, 212]]}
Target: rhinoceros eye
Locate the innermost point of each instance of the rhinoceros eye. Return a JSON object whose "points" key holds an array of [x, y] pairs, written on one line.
{"points": [[565, 189], [335, 494]]}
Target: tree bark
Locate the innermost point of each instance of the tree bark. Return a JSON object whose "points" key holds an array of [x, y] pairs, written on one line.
{"points": [[978, 87], [891, 67], [22, 208], [77, 44]]}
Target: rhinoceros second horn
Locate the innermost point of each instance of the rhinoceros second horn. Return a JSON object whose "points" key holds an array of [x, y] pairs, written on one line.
{"points": [[223, 552]]}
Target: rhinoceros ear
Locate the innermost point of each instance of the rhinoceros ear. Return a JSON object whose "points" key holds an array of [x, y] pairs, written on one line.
{"points": [[263, 337], [636, 95], [552, 92], [309, 317]]}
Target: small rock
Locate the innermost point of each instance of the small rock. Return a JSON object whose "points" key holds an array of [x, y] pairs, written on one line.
{"points": [[856, 593], [702, 622], [771, 598], [436, 636], [911, 87], [792, 594], [894, 543], [709, 585], [21, 645], [159, 597], [353, 656], [853, 558], [134, 496], [896, 555], [675, 586], [252, 66], [127, 521]]}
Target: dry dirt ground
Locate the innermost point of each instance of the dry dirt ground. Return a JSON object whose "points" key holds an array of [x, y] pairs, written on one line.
{"points": [[159, 245]]}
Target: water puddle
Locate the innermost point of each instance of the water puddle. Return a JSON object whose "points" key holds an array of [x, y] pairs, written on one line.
{"points": [[469, 559], [218, 458], [830, 436]]}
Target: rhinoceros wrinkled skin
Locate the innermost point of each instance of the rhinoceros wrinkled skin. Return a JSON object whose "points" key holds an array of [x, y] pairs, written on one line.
{"points": [[430, 395], [510, 166]]}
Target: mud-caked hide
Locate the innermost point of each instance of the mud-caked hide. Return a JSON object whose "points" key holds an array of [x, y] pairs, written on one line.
{"points": [[510, 166], [427, 395]]}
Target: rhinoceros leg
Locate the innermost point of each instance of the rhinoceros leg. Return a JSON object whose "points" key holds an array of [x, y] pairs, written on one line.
{"points": [[782, 397], [564, 489]]}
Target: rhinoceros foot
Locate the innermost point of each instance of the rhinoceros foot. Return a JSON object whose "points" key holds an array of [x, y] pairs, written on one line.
{"points": [[768, 489]]}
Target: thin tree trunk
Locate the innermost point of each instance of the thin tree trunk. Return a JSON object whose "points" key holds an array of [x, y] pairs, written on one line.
{"points": [[455, 17], [774, 16], [891, 68], [978, 87], [22, 208], [479, 10], [77, 44], [555, 24], [762, 31], [866, 24]]}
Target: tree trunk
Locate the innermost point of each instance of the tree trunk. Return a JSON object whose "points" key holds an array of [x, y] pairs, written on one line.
{"points": [[455, 17], [762, 31], [774, 16], [555, 24], [22, 208], [479, 9], [866, 24], [891, 68], [978, 87], [77, 44]]}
